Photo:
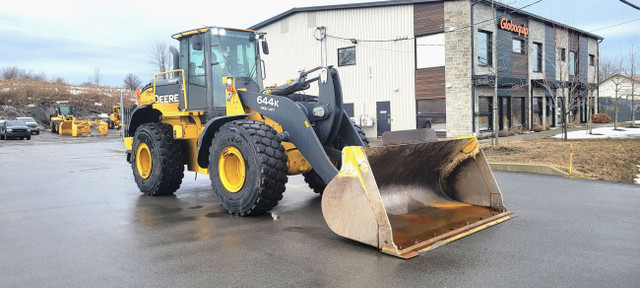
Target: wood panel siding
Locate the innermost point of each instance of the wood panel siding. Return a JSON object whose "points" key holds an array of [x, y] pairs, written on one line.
{"points": [[430, 83], [428, 18]]}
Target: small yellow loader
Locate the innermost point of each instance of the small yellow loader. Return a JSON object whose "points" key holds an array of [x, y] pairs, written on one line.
{"points": [[212, 114], [115, 120], [64, 123]]}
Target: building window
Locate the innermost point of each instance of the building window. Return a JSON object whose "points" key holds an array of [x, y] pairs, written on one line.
{"points": [[563, 54], [518, 46], [517, 112], [485, 48], [592, 60], [347, 56], [485, 117], [536, 57], [432, 113], [430, 51], [573, 63]]}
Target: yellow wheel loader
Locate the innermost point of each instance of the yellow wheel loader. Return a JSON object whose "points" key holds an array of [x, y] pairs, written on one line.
{"points": [[213, 115], [64, 123], [114, 118]]}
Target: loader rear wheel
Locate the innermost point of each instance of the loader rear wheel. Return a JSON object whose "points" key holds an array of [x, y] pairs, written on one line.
{"points": [[247, 167], [314, 180], [158, 159]]}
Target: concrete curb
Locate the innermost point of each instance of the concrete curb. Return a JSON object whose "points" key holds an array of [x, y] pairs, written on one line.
{"points": [[527, 168]]}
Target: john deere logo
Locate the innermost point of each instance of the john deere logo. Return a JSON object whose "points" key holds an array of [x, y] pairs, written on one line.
{"points": [[506, 24]]}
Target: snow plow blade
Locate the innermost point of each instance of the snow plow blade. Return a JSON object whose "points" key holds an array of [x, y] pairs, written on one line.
{"points": [[75, 127], [408, 199]]}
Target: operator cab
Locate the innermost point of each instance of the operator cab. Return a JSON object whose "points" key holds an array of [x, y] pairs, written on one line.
{"points": [[208, 54]]}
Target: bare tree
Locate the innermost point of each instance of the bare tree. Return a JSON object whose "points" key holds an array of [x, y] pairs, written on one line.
{"points": [[633, 73], [565, 88], [160, 56], [496, 70], [132, 82], [606, 67], [96, 78], [9, 73], [618, 81]]}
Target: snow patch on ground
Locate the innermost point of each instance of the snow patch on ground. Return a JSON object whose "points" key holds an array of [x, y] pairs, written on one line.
{"points": [[603, 132]]}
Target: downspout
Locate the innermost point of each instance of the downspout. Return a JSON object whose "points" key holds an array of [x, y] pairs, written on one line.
{"points": [[597, 106], [473, 73]]}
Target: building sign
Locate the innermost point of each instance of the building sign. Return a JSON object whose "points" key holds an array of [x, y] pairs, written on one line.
{"points": [[506, 24]]}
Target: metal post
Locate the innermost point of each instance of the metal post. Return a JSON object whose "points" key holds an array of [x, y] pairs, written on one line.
{"points": [[121, 116]]}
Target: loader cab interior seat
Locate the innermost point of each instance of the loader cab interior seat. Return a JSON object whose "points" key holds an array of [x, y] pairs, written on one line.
{"points": [[197, 73]]}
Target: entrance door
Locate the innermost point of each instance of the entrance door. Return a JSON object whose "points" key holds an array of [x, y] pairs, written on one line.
{"points": [[383, 110]]}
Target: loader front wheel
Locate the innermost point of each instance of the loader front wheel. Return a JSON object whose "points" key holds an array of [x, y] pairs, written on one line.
{"points": [[158, 160], [247, 167]]}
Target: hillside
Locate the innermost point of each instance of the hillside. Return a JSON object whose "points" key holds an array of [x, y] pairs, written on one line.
{"points": [[38, 99]]}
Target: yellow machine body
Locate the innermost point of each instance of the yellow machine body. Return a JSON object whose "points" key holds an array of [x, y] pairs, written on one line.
{"points": [[115, 116], [407, 199], [186, 127]]}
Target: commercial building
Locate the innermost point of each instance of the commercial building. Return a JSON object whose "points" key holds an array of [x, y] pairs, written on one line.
{"points": [[409, 64]]}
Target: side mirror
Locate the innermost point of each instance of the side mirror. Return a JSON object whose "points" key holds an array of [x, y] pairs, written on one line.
{"points": [[265, 47], [196, 42]]}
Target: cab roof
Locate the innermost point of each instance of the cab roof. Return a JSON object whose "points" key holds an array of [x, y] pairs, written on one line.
{"points": [[204, 29]]}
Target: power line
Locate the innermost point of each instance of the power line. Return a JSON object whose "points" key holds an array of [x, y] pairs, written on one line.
{"points": [[615, 25]]}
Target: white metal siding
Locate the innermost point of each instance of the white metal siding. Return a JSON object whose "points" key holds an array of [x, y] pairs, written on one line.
{"points": [[384, 71]]}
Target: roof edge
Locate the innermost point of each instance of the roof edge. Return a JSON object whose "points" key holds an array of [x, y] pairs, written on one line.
{"points": [[407, 2]]}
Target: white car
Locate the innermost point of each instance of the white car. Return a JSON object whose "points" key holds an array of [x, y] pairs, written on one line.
{"points": [[33, 125]]}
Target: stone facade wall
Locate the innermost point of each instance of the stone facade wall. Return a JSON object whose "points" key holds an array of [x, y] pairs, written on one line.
{"points": [[458, 67]]}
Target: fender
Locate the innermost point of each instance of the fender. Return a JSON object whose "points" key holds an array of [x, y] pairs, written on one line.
{"points": [[294, 121], [209, 132], [141, 115]]}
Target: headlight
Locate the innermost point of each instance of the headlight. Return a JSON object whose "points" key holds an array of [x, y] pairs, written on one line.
{"points": [[9, 129]]}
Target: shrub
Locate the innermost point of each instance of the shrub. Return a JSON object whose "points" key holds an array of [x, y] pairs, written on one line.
{"points": [[601, 118]]}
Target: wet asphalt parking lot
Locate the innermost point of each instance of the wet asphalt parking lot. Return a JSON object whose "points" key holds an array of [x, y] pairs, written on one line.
{"points": [[72, 216]]}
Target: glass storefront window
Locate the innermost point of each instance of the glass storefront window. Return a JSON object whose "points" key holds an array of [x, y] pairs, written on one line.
{"points": [[517, 112]]}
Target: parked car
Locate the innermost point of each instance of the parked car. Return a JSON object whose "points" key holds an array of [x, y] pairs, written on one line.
{"points": [[14, 129], [33, 125]]}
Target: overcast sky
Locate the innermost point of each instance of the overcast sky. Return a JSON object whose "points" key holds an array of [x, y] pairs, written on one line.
{"points": [[70, 38]]}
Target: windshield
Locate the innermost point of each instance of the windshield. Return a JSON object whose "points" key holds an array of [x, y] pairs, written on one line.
{"points": [[234, 54], [65, 110], [16, 123], [26, 119]]}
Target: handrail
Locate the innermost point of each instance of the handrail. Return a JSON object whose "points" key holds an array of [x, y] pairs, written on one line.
{"points": [[184, 90]]}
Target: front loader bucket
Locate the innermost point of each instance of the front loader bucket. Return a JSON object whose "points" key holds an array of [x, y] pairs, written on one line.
{"points": [[66, 128], [407, 199]]}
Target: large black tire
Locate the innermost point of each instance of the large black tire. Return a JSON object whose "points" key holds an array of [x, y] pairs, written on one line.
{"points": [[53, 127], [314, 180], [29, 137], [253, 148], [157, 159]]}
